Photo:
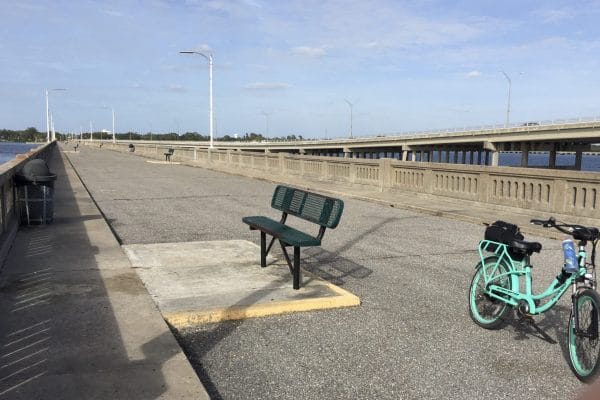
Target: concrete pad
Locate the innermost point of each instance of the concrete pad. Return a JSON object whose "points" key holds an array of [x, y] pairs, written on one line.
{"points": [[162, 162], [202, 282]]}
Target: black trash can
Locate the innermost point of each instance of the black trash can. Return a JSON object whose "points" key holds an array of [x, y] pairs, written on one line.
{"points": [[35, 193]]}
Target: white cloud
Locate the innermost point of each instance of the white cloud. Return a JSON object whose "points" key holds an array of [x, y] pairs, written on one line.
{"points": [[267, 86], [555, 15], [113, 13], [176, 88], [473, 74], [312, 52]]}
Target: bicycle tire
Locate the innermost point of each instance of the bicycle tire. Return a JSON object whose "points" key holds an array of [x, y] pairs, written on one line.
{"points": [[486, 312], [584, 347]]}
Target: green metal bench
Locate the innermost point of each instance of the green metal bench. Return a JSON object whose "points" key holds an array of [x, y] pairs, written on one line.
{"points": [[321, 210], [168, 154]]}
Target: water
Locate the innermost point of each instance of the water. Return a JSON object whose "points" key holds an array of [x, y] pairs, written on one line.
{"points": [[589, 162], [8, 150]]}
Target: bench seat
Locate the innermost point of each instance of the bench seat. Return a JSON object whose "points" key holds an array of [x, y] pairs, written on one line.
{"points": [[285, 233]]}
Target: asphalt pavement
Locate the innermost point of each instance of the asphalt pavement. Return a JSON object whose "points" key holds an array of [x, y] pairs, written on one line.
{"points": [[411, 338]]}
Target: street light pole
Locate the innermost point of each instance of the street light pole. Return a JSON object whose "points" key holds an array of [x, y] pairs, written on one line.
{"points": [[351, 106], [48, 114], [91, 131], [52, 127], [267, 117], [508, 105], [113, 123], [209, 57]]}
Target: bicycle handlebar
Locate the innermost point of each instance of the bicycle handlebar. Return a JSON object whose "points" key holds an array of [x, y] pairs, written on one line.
{"points": [[579, 232]]}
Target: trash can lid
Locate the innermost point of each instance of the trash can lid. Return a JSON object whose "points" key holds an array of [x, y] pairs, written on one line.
{"points": [[36, 171]]}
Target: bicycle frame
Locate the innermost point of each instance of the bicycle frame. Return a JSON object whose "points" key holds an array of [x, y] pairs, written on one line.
{"points": [[518, 269]]}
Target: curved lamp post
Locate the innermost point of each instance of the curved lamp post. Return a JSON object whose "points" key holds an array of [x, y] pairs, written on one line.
{"points": [[209, 58], [48, 115], [351, 106], [267, 117], [508, 105], [113, 122]]}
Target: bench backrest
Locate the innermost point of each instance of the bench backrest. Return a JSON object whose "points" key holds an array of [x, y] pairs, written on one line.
{"points": [[322, 210]]}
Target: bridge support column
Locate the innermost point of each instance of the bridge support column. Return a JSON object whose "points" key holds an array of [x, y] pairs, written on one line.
{"points": [[492, 148], [578, 159], [447, 155], [404, 154], [524, 154], [455, 157], [495, 158], [552, 156]]}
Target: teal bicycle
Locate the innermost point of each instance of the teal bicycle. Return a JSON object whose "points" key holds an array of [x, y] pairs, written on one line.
{"points": [[496, 288]]}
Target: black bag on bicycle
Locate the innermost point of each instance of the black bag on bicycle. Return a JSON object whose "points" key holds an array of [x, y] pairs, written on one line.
{"points": [[503, 232]]}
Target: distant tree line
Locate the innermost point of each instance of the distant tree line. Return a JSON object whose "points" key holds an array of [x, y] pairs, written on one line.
{"points": [[27, 135], [33, 135], [195, 136]]}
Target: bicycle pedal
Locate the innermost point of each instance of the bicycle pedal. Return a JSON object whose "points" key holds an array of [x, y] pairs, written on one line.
{"points": [[526, 318]]}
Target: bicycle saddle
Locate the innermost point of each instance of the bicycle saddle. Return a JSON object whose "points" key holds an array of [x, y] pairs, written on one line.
{"points": [[523, 246]]}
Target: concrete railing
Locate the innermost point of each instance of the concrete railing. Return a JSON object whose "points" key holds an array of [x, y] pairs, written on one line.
{"points": [[572, 193], [9, 213]]}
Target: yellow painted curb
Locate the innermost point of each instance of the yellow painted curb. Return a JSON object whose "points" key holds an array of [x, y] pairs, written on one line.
{"points": [[343, 298]]}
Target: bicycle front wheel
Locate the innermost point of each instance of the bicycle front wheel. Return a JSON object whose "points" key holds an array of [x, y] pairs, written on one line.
{"points": [[484, 310], [584, 346]]}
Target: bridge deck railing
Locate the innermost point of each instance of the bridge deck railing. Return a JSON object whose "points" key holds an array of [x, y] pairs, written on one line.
{"points": [[571, 193], [9, 214]]}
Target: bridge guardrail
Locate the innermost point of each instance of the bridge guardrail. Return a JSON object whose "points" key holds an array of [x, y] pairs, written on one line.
{"points": [[9, 216], [572, 193]]}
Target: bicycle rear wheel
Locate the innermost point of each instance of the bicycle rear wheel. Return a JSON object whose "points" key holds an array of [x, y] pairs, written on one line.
{"points": [[584, 346], [485, 311]]}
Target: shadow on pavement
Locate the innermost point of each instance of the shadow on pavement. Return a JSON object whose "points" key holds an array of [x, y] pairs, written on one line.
{"points": [[59, 333]]}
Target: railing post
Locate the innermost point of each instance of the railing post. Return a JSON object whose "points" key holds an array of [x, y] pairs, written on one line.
{"points": [[561, 196], [281, 163], [385, 174], [483, 182], [325, 171], [352, 173]]}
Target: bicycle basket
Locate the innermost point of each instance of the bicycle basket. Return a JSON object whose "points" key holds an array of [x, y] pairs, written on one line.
{"points": [[502, 232]]}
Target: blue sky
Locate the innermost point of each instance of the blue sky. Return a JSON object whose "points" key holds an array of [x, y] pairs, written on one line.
{"points": [[405, 65]]}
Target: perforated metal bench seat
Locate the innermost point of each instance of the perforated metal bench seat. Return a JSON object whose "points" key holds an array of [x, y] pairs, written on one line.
{"points": [[285, 233]]}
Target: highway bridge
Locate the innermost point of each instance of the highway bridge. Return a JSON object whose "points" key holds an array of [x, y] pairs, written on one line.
{"points": [[475, 146]]}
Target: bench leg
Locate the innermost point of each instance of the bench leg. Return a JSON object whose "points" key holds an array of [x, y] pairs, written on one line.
{"points": [[263, 249], [296, 273]]}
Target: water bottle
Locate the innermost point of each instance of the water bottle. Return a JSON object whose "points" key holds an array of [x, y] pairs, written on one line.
{"points": [[571, 264]]}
